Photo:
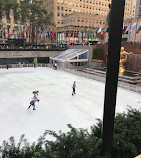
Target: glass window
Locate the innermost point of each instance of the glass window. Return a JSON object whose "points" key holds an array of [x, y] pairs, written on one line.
{"points": [[83, 56]]}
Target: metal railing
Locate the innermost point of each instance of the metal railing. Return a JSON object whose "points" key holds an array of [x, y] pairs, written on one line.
{"points": [[121, 84]]}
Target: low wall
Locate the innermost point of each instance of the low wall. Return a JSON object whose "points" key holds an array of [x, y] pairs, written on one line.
{"points": [[27, 54]]}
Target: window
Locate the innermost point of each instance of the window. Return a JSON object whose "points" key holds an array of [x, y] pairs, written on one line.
{"points": [[58, 21], [99, 3], [78, 19], [62, 8], [93, 8], [69, 10], [62, 14], [58, 14], [58, 8], [62, 22], [66, 9], [82, 20], [93, 2]]}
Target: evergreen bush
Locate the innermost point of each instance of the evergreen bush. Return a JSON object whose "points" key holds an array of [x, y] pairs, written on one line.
{"points": [[81, 143]]}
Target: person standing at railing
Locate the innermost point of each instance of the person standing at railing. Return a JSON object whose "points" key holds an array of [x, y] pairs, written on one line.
{"points": [[55, 66], [73, 88]]}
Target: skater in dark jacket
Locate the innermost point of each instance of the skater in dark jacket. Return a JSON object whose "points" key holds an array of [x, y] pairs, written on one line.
{"points": [[73, 88], [32, 103]]}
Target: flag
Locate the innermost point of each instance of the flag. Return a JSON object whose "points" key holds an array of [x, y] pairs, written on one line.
{"points": [[139, 29], [4, 32], [13, 29], [132, 28], [22, 32], [82, 34], [26, 34], [8, 32], [98, 32], [128, 28], [94, 35], [18, 32], [73, 34], [64, 34], [105, 29], [52, 34], [79, 34]]}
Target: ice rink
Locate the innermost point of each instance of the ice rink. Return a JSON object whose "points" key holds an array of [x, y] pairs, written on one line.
{"points": [[57, 107]]}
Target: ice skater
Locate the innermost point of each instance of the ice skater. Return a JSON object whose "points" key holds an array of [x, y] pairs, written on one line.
{"points": [[73, 88], [32, 103]]}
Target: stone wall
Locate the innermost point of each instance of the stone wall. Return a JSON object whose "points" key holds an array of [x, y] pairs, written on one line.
{"points": [[133, 61]]}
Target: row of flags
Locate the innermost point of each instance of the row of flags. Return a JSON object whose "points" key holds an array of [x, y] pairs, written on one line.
{"points": [[28, 33], [129, 29], [87, 33]]}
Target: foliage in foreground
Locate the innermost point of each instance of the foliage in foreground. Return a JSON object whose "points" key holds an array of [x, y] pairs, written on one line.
{"points": [[81, 143]]}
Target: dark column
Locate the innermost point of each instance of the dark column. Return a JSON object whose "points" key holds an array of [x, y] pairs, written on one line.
{"points": [[114, 46]]}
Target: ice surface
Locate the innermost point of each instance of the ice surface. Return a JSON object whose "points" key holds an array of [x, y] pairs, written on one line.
{"points": [[57, 107]]}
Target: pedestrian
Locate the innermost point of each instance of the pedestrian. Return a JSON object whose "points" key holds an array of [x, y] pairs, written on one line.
{"points": [[7, 66], [73, 88], [55, 66], [32, 103]]}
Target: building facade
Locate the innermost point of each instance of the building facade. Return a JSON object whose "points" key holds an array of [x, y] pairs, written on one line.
{"points": [[61, 8]]}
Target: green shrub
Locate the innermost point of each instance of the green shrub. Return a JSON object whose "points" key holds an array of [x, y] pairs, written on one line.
{"points": [[81, 143], [98, 54]]}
